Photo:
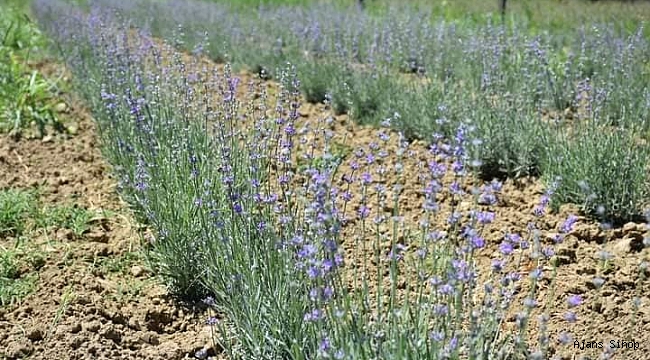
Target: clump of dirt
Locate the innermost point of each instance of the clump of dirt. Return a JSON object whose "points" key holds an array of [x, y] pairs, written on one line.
{"points": [[94, 296]]}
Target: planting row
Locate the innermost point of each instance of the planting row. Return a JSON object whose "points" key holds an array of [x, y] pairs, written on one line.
{"points": [[574, 106], [307, 248]]}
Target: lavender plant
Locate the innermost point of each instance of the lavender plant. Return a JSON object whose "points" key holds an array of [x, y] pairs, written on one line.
{"points": [[317, 261], [603, 171], [510, 83]]}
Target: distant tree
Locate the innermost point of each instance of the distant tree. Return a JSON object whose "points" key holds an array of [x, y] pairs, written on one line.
{"points": [[502, 8]]}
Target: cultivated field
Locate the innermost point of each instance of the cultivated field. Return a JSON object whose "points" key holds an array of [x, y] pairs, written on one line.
{"points": [[324, 180]]}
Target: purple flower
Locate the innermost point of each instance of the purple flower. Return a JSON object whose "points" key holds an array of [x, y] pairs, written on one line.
{"points": [[363, 211], [437, 336], [487, 198], [565, 338], [446, 289], [498, 265], [313, 272], [328, 265], [567, 225], [574, 300], [338, 260], [325, 345], [453, 342], [478, 242], [440, 309], [485, 217], [437, 169], [530, 303], [457, 167], [455, 188], [548, 251], [314, 294], [209, 301], [506, 248], [366, 178], [570, 316], [307, 251], [454, 218], [313, 315], [237, 208], [328, 293], [536, 274]]}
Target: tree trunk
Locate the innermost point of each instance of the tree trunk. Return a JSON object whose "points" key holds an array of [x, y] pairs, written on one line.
{"points": [[502, 7]]}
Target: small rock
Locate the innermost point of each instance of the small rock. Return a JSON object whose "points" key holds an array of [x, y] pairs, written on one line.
{"points": [[73, 129], [75, 328], [102, 251], [19, 349], [82, 300], [47, 138], [97, 236], [625, 246], [629, 227], [597, 306], [134, 324], [78, 341], [137, 271], [111, 333], [92, 326], [61, 107], [566, 256], [150, 337], [201, 354], [171, 350], [35, 335], [588, 233]]}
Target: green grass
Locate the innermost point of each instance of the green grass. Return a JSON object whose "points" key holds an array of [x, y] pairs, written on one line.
{"points": [[72, 217], [119, 264], [16, 207], [22, 217], [22, 212], [18, 276], [539, 15]]}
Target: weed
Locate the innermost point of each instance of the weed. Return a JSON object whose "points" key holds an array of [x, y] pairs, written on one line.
{"points": [[72, 217], [16, 208], [67, 298], [15, 282], [25, 96], [120, 264]]}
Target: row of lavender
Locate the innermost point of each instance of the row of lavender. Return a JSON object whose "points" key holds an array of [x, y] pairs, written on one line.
{"points": [[236, 222], [514, 88]]}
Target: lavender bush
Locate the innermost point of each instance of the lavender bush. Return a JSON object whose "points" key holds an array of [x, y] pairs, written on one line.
{"points": [[435, 75], [318, 260]]}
